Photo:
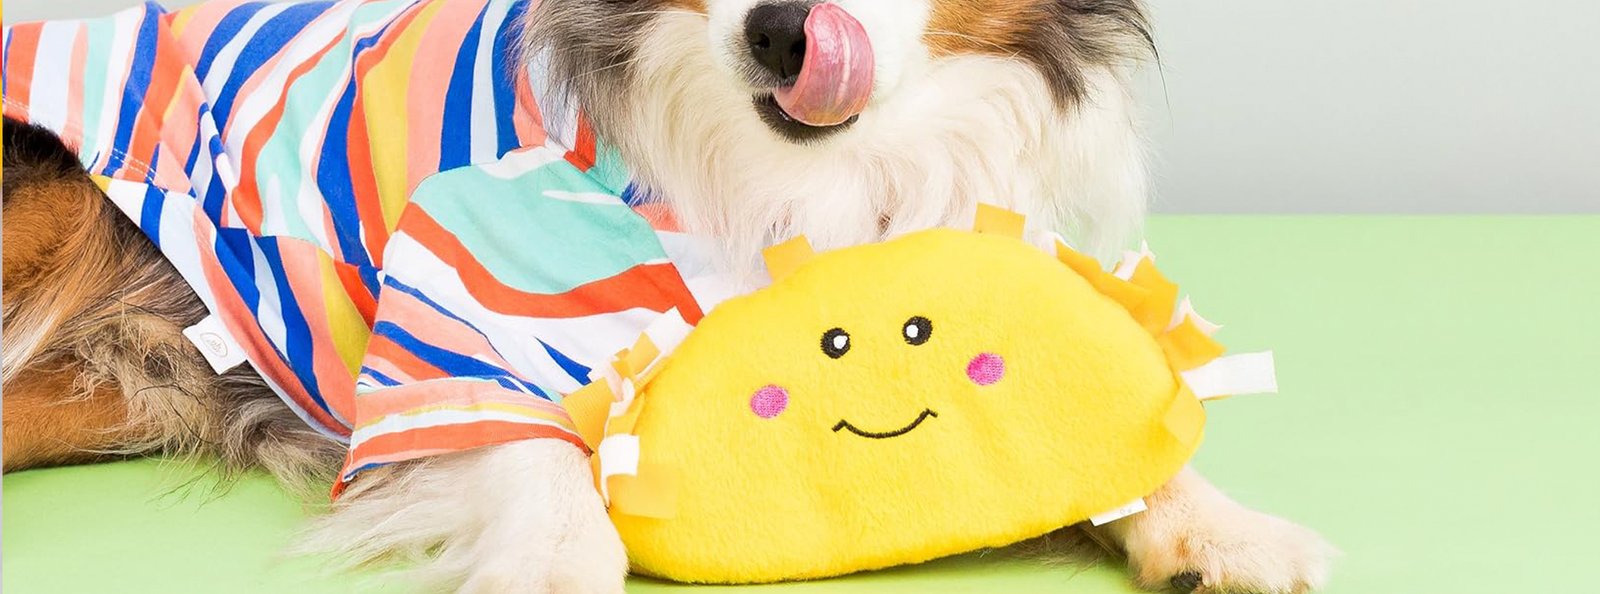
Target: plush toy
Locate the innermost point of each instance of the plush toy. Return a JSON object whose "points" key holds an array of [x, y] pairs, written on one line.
{"points": [[891, 403]]}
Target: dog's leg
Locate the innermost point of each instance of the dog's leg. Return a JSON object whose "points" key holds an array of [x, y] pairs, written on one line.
{"points": [[1195, 539], [515, 518]]}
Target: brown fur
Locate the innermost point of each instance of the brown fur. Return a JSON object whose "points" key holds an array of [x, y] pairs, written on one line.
{"points": [[95, 363], [990, 27]]}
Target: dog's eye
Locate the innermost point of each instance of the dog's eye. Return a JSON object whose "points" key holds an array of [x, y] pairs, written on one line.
{"points": [[917, 330], [836, 342]]}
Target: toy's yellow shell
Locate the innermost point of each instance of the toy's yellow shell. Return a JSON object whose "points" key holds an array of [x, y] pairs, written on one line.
{"points": [[985, 393]]}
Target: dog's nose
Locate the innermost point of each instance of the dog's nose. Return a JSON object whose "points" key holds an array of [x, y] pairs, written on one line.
{"points": [[776, 32]]}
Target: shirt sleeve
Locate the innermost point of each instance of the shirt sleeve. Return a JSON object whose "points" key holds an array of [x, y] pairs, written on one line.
{"points": [[502, 285]]}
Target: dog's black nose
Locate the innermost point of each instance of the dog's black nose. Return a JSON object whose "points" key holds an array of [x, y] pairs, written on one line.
{"points": [[776, 32]]}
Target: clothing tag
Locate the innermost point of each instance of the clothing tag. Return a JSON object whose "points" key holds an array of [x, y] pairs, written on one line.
{"points": [[1128, 509], [214, 342]]}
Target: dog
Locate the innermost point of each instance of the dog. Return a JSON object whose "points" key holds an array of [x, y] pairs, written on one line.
{"points": [[748, 121]]}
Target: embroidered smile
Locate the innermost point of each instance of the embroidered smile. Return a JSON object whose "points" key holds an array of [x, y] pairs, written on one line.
{"points": [[926, 414]]}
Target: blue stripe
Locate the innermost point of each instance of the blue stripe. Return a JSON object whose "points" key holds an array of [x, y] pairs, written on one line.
{"points": [[505, 77], [574, 370], [390, 282], [194, 157], [216, 194], [235, 244], [442, 310], [363, 468], [333, 180], [5, 64], [382, 379], [297, 342], [133, 93], [150, 213], [452, 363], [224, 32], [270, 39], [455, 142]]}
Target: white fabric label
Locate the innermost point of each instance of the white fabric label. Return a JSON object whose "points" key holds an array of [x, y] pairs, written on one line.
{"points": [[214, 342], [1127, 509], [1248, 373]]}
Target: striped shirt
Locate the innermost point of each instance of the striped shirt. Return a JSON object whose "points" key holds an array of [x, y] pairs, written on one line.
{"points": [[367, 193]]}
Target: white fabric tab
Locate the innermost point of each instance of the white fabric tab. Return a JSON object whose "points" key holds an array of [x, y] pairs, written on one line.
{"points": [[214, 342], [1127, 509], [1185, 311], [619, 454], [1247, 373]]}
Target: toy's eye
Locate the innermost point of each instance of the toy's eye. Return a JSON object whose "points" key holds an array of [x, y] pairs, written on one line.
{"points": [[836, 342], [917, 330]]}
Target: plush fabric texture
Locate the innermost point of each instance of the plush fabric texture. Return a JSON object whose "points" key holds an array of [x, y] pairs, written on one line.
{"points": [[892, 403]]}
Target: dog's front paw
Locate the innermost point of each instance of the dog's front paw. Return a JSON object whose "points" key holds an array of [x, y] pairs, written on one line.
{"points": [[1230, 551], [553, 539], [519, 518]]}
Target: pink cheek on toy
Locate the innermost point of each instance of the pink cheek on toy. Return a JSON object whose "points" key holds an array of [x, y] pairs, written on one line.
{"points": [[986, 369], [769, 401]]}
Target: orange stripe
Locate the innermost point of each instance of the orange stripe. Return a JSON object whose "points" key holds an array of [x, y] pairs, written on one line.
{"points": [[463, 436], [394, 447], [24, 51], [582, 156], [150, 119], [350, 279], [656, 287], [396, 400], [364, 184]]}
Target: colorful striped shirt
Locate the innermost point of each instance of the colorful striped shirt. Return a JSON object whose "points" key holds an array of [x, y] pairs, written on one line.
{"points": [[367, 194]]}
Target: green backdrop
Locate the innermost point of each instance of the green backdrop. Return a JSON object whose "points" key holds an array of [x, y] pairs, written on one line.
{"points": [[1436, 421]]}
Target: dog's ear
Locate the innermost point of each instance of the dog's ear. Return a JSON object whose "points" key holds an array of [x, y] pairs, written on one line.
{"points": [[785, 257], [998, 221]]}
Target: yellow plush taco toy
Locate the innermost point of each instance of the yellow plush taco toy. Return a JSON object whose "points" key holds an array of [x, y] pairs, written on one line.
{"points": [[891, 403]]}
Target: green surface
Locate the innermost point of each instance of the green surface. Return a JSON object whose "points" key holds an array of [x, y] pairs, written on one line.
{"points": [[1437, 422]]}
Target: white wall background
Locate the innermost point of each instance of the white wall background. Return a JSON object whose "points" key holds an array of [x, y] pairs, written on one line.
{"points": [[1409, 106], [1377, 106]]}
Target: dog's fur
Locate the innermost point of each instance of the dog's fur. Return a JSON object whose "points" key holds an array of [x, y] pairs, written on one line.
{"points": [[1019, 102]]}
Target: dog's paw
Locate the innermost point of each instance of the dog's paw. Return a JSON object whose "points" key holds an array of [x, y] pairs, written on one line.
{"points": [[520, 518], [1231, 551]]}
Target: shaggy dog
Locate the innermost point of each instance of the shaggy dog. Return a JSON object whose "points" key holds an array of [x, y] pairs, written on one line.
{"points": [[748, 133]]}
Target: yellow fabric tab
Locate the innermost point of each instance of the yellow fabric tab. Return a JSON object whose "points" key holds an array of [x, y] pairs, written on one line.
{"points": [[1185, 418], [1085, 266], [1155, 311], [589, 407], [653, 493], [637, 359], [999, 221], [1121, 291], [1188, 347], [785, 257]]}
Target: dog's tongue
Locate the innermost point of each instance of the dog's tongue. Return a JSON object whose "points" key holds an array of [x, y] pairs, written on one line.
{"points": [[835, 80]]}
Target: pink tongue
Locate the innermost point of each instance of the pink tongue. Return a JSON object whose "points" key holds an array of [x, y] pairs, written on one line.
{"points": [[835, 81]]}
